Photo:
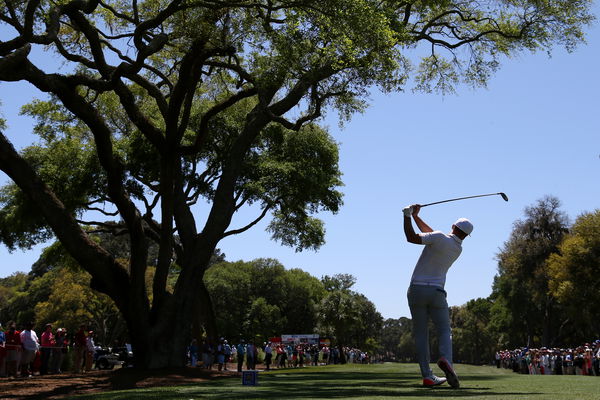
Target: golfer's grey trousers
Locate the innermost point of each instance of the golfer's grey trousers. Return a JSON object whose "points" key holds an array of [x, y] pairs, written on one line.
{"points": [[429, 302]]}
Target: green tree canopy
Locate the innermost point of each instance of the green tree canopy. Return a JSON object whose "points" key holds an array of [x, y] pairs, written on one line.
{"points": [[346, 315], [261, 299], [71, 303], [57, 291], [472, 339], [12, 297], [524, 311], [396, 340], [162, 105], [574, 279]]}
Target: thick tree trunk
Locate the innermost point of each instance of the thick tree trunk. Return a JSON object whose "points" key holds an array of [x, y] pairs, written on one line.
{"points": [[548, 335], [163, 343], [342, 356], [160, 338], [204, 316]]}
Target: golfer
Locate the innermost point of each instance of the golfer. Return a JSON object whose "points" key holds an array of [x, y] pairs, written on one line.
{"points": [[426, 294]]}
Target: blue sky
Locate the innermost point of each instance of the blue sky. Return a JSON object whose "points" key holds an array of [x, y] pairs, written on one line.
{"points": [[533, 132]]}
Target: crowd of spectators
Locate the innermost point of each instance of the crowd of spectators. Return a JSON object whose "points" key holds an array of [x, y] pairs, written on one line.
{"points": [[580, 360], [24, 354], [270, 355]]}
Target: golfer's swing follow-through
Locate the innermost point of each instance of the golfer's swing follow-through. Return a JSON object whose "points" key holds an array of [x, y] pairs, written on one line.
{"points": [[426, 294]]}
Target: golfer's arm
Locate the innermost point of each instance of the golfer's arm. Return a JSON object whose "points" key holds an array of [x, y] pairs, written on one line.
{"points": [[409, 232], [423, 227]]}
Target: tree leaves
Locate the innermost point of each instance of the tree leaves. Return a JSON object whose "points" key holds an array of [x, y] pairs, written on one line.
{"points": [[521, 285], [169, 102], [573, 275], [347, 315], [262, 298]]}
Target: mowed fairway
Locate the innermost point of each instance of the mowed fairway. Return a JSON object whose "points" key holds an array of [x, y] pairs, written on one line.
{"points": [[382, 381]]}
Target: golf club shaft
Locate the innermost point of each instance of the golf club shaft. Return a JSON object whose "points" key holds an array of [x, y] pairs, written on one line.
{"points": [[467, 197]]}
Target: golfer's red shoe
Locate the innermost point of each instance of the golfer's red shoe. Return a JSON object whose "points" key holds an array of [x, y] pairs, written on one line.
{"points": [[449, 371], [433, 380]]}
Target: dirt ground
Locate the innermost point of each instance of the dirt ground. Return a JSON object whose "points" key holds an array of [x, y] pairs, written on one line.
{"points": [[67, 384]]}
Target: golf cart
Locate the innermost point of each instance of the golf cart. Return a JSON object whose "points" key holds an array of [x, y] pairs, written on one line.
{"points": [[107, 358]]}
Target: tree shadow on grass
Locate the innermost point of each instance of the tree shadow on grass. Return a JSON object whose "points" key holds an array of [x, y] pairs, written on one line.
{"points": [[327, 384], [481, 377], [68, 385]]}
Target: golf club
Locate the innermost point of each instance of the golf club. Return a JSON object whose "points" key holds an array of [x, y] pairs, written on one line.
{"points": [[504, 196]]}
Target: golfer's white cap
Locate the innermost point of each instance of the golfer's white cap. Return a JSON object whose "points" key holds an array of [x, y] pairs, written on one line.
{"points": [[464, 225]]}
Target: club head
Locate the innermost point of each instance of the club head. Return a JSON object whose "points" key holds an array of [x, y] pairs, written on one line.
{"points": [[504, 196]]}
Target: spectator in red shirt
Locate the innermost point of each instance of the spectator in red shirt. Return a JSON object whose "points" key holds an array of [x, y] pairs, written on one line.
{"points": [[80, 343], [13, 350], [46, 350]]}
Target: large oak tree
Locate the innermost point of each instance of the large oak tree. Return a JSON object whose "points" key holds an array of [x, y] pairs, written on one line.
{"points": [[524, 311], [161, 104], [574, 280]]}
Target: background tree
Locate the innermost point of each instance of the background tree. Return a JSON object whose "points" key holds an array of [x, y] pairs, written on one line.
{"points": [[396, 340], [13, 299], [57, 291], [471, 338], [523, 307], [347, 316], [261, 299], [71, 303], [406, 346], [163, 104], [574, 279]]}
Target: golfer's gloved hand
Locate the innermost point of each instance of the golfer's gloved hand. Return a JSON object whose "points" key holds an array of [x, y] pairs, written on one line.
{"points": [[407, 211]]}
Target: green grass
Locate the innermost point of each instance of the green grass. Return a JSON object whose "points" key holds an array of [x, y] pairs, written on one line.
{"points": [[384, 381]]}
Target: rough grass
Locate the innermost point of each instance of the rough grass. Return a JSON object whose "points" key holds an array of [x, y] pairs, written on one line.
{"points": [[381, 381]]}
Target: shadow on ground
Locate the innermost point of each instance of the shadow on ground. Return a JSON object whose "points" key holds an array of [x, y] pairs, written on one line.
{"points": [[324, 384]]}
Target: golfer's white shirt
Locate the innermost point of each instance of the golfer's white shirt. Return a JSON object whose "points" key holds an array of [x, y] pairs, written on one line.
{"points": [[440, 251]]}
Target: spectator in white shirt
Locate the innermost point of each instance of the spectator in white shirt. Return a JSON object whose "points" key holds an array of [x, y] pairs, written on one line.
{"points": [[31, 344]]}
